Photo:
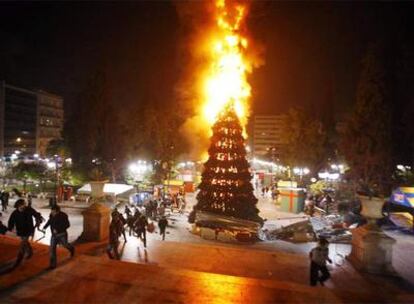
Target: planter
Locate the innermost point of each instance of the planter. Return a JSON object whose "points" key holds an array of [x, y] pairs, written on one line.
{"points": [[372, 209], [97, 189], [371, 247]]}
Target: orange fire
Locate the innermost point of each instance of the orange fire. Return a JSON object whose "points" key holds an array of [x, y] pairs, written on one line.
{"points": [[226, 76]]}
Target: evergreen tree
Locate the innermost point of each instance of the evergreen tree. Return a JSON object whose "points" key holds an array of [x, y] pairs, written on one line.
{"points": [[366, 140], [226, 187]]}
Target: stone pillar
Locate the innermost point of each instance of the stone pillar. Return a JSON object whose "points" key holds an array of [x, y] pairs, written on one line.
{"points": [[96, 218], [372, 251], [95, 223], [371, 247]]}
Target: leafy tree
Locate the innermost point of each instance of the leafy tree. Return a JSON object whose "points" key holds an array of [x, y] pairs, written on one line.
{"points": [[366, 140], [159, 139], [26, 171], [305, 141], [94, 130], [57, 147]]}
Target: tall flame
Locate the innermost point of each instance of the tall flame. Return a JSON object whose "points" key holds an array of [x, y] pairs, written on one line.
{"points": [[226, 77]]}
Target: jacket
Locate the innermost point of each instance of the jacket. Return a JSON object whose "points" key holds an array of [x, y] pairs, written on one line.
{"points": [[58, 222], [162, 223], [320, 255], [23, 222]]}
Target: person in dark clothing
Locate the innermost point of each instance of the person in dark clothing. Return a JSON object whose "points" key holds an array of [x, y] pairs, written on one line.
{"points": [[319, 256], [127, 211], [140, 228], [114, 233], [120, 221], [21, 220], [162, 224], [39, 219], [59, 223], [3, 228], [3, 202]]}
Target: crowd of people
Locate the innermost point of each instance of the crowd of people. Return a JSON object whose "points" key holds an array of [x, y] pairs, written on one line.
{"points": [[137, 223], [25, 220]]}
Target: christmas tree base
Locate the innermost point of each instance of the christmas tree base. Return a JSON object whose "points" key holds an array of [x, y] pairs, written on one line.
{"points": [[225, 228]]}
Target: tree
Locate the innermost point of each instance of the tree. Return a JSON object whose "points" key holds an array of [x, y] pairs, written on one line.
{"points": [[57, 147], [365, 142], [94, 129], [29, 171], [304, 141], [159, 139], [225, 187]]}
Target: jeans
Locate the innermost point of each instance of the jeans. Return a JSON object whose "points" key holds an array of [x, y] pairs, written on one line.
{"points": [[62, 239], [142, 234], [24, 249], [113, 248], [314, 274], [162, 232]]}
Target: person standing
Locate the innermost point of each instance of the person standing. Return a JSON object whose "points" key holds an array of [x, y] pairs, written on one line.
{"points": [[21, 220], [141, 226], [162, 224], [59, 223], [319, 256]]}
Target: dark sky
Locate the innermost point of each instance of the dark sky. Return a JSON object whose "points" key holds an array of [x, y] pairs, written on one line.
{"points": [[313, 50]]}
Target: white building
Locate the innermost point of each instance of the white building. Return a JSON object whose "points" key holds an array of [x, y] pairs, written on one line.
{"points": [[267, 130]]}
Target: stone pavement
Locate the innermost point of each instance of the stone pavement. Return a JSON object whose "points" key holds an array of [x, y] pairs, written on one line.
{"points": [[187, 273], [97, 280]]}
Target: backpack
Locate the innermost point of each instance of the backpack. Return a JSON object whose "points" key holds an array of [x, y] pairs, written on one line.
{"points": [[150, 227]]}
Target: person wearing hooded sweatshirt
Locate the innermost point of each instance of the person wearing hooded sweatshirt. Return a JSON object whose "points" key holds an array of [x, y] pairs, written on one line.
{"points": [[21, 219]]}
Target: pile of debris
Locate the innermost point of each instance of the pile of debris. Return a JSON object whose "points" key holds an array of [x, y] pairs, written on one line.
{"points": [[298, 232], [332, 228]]}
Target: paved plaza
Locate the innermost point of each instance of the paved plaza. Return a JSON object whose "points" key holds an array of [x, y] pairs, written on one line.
{"points": [[186, 268]]}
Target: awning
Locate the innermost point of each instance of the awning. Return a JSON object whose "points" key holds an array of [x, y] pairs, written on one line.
{"points": [[109, 189]]}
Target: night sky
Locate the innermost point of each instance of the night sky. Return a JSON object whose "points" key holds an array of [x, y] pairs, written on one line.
{"points": [[313, 50]]}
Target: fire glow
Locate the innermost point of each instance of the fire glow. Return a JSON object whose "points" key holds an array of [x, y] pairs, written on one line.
{"points": [[226, 78]]}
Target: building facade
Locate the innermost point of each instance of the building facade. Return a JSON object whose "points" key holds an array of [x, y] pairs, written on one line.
{"points": [[28, 120], [267, 130]]}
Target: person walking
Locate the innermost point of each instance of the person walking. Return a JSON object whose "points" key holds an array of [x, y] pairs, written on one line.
{"points": [[37, 216], [141, 229], [21, 220], [120, 221], [162, 224], [6, 196], [3, 201], [319, 256], [127, 211], [59, 223], [114, 233]]}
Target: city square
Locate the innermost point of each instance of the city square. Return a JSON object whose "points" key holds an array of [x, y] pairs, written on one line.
{"points": [[215, 151]]}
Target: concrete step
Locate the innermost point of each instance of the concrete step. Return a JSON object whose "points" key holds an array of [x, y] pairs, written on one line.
{"points": [[95, 279], [177, 273]]}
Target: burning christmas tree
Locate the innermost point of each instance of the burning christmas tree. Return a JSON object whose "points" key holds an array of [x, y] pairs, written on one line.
{"points": [[226, 201], [226, 187]]}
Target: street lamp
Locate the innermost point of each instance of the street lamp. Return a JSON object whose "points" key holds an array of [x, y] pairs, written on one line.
{"points": [[301, 172]]}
